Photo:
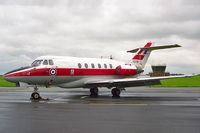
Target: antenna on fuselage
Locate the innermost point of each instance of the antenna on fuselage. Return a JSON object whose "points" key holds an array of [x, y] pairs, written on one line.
{"points": [[108, 57]]}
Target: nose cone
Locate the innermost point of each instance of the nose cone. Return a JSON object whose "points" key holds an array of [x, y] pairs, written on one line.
{"points": [[8, 78], [5, 76], [14, 75]]}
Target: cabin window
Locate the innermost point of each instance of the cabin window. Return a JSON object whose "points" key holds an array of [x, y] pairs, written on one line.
{"points": [[99, 65], [72, 72], [111, 66], [79, 65], [36, 63], [92, 65], [105, 66], [86, 65], [51, 62], [45, 62]]}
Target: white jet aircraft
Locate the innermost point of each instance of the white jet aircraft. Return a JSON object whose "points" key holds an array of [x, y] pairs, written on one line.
{"points": [[91, 73]]}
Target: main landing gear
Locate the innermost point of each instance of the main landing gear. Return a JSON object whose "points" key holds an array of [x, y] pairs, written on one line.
{"points": [[116, 92], [35, 96], [94, 92]]}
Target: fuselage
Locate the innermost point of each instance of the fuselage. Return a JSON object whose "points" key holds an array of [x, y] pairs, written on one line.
{"points": [[70, 72]]}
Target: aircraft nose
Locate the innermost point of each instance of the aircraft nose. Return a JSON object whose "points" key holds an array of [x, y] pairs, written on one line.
{"points": [[13, 76], [7, 77], [4, 77]]}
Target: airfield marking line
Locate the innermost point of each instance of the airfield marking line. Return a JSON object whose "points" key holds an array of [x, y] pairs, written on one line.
{"points": [[115, 104]]}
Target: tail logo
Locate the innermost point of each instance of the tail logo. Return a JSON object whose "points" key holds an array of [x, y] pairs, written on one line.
{"points": [[140, 56]]}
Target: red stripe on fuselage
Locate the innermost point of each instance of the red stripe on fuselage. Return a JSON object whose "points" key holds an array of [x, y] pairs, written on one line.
{"points": [[68, 72]]}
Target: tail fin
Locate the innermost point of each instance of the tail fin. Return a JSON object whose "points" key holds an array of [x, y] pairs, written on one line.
{"points": [[142, 55]]}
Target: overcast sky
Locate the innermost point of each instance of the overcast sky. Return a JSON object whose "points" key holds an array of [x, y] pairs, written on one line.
{"points": [[94, 28]]}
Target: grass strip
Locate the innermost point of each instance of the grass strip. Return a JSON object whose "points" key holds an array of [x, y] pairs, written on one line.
{"points": [[181, 82], [4, 83]]}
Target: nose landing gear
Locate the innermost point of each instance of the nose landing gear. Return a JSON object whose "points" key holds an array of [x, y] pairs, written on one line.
{"points": [[35, 96]]}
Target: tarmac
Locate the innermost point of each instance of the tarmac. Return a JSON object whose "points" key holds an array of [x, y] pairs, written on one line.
{"points": [[139, 110]]}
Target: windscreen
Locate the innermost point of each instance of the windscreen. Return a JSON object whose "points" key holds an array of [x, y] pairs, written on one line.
{"points": [[36, 63]]}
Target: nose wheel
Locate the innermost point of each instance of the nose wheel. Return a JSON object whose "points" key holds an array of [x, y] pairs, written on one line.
{"points": [[35, 96]]}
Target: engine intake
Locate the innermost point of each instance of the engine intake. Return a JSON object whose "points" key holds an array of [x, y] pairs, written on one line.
{"points": [[126, 70]]}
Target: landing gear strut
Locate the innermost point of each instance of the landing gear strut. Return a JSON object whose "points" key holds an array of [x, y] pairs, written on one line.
{"points": [[116, 92], [94, 92]]}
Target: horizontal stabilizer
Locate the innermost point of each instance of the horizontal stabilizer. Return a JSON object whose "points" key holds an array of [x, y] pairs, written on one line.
{"points": [[154, 48]]}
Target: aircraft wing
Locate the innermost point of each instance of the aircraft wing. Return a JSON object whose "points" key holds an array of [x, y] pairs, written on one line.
{"points": [[129, 82]]}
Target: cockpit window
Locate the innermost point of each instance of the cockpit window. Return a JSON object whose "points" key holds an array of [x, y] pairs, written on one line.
{"points": [[36, 63], [45, 62], [50, 62]]}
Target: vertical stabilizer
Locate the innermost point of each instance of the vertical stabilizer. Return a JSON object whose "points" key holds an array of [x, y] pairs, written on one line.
{"points": [[141, 57]]}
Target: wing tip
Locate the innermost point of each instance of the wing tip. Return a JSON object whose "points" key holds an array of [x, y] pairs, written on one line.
{"points": [[177, 45]]}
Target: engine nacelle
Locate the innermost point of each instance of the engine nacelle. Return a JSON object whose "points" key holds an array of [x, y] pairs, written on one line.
{"points": [[126, 70]]}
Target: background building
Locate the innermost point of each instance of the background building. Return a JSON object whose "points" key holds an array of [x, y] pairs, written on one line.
{"points": [[158, 70]]}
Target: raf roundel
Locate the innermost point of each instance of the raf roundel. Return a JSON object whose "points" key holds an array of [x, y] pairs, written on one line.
{"points": [[52, 71]]}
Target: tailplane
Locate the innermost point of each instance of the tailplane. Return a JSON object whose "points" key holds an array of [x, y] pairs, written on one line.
{"points": [[142, 54]]}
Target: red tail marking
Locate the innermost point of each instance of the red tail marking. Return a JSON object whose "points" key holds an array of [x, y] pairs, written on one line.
{"points": [[148, 45], [138, 57], [140, 52]]}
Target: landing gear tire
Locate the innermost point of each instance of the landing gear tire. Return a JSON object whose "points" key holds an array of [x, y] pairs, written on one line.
{"points": [[116, 92], [94, 92], [35, 96]]}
